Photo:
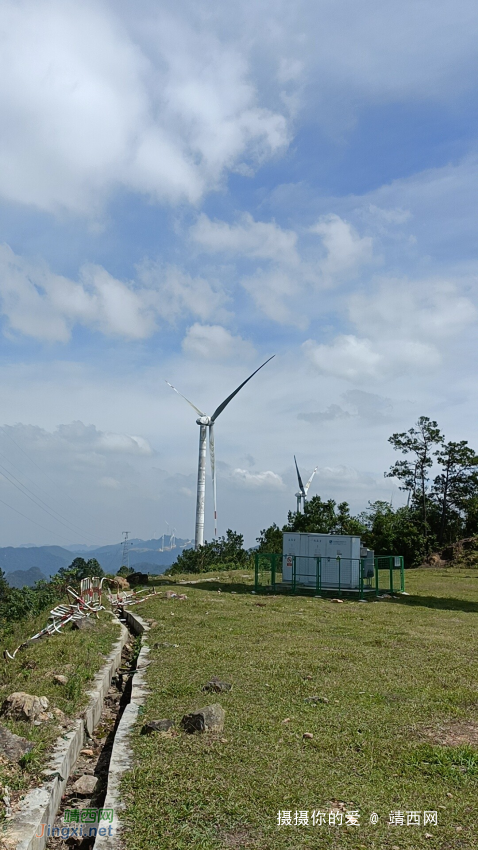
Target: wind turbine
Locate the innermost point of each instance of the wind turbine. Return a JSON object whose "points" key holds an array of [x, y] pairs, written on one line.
{"points": [[204, 423], [301, 495]]}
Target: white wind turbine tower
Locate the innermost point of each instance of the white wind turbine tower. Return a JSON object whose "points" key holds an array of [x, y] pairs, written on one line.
{"points": [[301, 495], [204, 423]]}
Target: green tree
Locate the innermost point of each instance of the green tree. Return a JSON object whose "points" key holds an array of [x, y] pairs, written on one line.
{"points": [[470, 528], [227, 552], [418, 442], [318, 516], [4, 587], [455, 488], [321, 517], [270, 540], [347, 524], [393, 532], [78, 569]]}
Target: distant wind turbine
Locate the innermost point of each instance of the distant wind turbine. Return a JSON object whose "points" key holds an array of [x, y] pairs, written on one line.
{"points": [[204, 423], [301, 495]]}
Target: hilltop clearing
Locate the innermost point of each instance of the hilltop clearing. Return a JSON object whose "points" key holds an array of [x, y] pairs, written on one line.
{"points": [[334, 709]]}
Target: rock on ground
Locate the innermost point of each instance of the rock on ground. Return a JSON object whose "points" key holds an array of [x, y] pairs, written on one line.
{"points": [[208, 719], [138, 578], [84, 624], [22, 706], [119, 582], [85, 785], [316, 699], [13, 747], [215, 685], [163, 727]]}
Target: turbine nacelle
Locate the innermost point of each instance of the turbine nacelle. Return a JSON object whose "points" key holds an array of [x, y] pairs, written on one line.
{"points": [[204, 420]]}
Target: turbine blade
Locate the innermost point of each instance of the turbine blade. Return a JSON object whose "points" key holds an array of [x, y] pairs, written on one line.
{"points": [[310, 480], [301, 486], [186, 399], [230, 397], [213, 473]]}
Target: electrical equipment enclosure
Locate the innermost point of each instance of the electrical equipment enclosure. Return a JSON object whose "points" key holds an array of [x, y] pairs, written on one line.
{"points": [[341, 559]]}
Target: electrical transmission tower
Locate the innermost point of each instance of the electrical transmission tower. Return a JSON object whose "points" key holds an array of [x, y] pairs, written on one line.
{"points": [[126, 544]]}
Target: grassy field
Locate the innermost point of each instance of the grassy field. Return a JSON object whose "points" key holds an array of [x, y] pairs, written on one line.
{"points": [[398, 734], [78, 655]]}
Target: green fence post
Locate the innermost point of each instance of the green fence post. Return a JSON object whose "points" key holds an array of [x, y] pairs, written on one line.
{"points": [[273, 572], [293, 572], [402, 574], [375, 562], [256, 571], [361, 566], [340, 585]]}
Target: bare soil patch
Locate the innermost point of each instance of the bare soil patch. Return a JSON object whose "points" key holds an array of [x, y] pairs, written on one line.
{"points": [[456, 733], [239, 837]]}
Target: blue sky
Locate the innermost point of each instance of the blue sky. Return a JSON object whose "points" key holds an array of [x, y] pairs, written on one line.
{"points": [[186, 189]]}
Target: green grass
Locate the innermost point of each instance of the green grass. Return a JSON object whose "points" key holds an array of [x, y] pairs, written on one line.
{"points": [[78, 655], [393, 672]]}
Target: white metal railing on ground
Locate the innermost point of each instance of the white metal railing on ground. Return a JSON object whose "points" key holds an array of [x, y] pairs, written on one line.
{"points": [[83, 604]]}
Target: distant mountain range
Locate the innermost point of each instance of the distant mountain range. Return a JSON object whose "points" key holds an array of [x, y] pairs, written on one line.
{"points": [[23, 565]]}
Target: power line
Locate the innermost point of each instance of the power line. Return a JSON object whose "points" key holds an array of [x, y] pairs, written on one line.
{"points": [[25, 490], [33, 483], [32, 520], [6, 434], [22, 489]]}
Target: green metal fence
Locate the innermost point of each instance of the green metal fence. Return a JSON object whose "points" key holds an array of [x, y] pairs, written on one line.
{"points": [[307, 574], [388, 575]]}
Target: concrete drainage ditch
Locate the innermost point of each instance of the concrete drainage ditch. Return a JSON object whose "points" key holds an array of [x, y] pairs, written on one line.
{"points": [[87, 764]]}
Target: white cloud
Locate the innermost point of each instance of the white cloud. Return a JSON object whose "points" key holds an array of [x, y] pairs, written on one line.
{"points": [[46, 306], [166, 99], [354, 358], [173, 293], [345, 250], [286, 276], [276, 293], [109, 483], [124, 444], [346, 475], [387, 217], [370, 407], [249, 238], [266, 480], [406, 325], [434, 209], [83, 438], [213, 342], [333, 412], [347, 357], [422, 309], [87, 107]]}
